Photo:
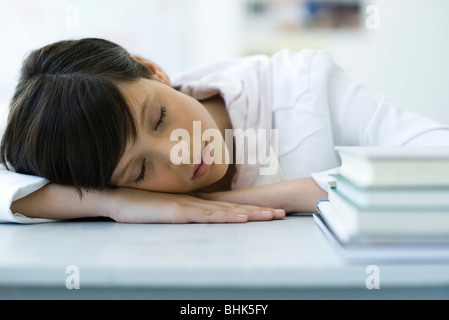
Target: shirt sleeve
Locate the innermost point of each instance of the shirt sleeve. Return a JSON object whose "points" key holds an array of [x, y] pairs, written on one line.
{"points": [[14, 186], [361, 117]]}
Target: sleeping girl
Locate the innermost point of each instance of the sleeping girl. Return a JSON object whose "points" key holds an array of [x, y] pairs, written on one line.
{"points": [[94, 131]]}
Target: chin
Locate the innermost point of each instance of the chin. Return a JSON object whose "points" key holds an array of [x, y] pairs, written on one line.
{"points": [[221, 170]]}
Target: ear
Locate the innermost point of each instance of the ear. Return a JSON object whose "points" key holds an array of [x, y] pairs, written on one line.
{"points": [[157, 72]]}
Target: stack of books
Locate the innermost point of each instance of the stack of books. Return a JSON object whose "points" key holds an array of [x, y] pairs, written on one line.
{"points": [[389, 204]]}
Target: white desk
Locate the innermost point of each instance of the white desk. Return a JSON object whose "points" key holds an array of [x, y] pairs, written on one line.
{"points": [[288, 259]]}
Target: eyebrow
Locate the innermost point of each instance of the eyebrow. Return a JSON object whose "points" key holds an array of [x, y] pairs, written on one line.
{"points": [[144, 108], [143, 111]]}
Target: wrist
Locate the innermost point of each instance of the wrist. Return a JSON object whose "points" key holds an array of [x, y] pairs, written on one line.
{"points": [[300, 195], [56, 201], [109, 202], [91, 203]]}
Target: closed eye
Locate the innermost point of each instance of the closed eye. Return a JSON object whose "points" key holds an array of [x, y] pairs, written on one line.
{"points": [[162, 117], [144, 167], [142, 172]]}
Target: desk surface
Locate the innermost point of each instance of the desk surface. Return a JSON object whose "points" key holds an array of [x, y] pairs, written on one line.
{"points": [[286, 259]]}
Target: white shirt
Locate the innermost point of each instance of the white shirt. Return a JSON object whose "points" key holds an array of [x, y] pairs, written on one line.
{"points": [[311, 102]]}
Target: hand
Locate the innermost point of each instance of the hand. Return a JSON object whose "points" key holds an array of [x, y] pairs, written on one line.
{"points": [[138, 206]]}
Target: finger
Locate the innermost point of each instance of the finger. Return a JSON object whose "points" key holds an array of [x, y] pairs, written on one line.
{"points": [[277, 213], [219, 216], [226, 215], [254, 214]]}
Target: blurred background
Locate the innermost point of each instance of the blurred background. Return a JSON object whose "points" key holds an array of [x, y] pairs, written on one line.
{"points": [[396, 47]]}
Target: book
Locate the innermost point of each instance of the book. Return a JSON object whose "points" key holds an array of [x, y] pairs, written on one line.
{"points": [[393, 196], [373, 252], [389, 203], [395, 166], [351, 232], [410, 221]]}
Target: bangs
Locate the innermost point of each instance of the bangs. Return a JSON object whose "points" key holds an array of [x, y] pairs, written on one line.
{"points": [[78, 127]]}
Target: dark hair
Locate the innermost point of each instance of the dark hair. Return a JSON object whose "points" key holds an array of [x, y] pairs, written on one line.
{"points": [[68, 120]]}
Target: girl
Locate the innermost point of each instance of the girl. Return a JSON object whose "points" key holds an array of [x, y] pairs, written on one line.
{"points": [[90, 134]]}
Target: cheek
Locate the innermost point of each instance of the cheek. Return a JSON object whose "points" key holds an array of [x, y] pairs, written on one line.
{"points": [[194, 111], [166, 181], [220, 170]]}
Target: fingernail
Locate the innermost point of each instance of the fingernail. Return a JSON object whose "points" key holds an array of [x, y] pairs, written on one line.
{"points": [[279, 210]]}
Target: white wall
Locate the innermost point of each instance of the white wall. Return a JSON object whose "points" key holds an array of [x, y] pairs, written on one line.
{"points": [[407, 59]]}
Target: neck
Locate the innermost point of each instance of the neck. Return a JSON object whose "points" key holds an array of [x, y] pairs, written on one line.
{"points": [[217, 109]]}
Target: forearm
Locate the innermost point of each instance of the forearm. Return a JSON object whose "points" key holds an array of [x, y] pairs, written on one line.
{"points": [[128, 205], [55, 201], [297, 195]]}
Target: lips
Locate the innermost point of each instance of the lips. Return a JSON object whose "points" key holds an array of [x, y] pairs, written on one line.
{"points": [[202, 168]]}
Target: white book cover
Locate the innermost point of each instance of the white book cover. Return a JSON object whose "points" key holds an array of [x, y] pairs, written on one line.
{"points": [[348, 231], [395, 166], [392, 253]]}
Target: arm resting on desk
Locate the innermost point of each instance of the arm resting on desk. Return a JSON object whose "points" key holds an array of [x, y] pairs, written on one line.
{"points": [[297, 195], [127, 205]]}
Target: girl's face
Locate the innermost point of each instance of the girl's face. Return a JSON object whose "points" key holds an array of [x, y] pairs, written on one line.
{"points": [[158, 109]]}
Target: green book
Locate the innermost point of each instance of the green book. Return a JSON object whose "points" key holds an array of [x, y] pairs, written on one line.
{"points": [[388, 221], [393, 197]]}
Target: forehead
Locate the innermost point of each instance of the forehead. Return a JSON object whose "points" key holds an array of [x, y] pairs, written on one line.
{"points": [[135, 91]]}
